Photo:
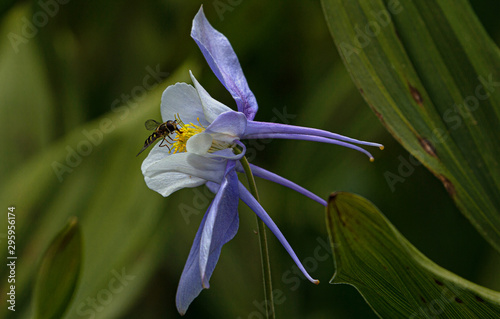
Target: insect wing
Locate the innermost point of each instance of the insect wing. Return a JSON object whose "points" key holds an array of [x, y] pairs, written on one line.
{"points": [[151, 125]]}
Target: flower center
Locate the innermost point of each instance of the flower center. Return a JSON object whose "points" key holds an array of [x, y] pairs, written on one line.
{"points": [[189, 130]]}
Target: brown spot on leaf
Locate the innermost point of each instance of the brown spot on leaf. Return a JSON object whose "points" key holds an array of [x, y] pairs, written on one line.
{"points": [[332, 196], [415, 94], [397, 34], [428, 147], [447, 185], [361, 91], [438, 282], [331, 200], [423, 299], [479, 299], [458, 300], [380, 117]]}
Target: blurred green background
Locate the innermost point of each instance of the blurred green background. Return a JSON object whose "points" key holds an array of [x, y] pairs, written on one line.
{"points": [[74, 94]]}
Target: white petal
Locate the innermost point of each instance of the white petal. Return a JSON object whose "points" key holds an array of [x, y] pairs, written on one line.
{"points": [[182, 99], [199, 143], [226, 154], [167, 183], [229, 139], [180, 170], [157, 153], [211, 107]]}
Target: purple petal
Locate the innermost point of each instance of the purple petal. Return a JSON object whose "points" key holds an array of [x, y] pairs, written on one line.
{"points": [[224, 63], [256, 129], [218, 231], [219, 225], [229, 123], [248, 199], [213, 187], [262, 173], [311, 138], [243, 148]]}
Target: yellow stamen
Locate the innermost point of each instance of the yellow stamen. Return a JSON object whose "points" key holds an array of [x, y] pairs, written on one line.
{"points": [[187, 131]]}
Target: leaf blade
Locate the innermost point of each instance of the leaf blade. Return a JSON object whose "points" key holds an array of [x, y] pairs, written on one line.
{"points": [[417, 70], [59, 273], [396, 279]]}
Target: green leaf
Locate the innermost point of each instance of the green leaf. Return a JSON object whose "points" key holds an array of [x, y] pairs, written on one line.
{"points": [[59, 273], [396, 279], [432, 75], [21, 69]]}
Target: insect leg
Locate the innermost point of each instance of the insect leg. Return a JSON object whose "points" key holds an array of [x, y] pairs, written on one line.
{"points": [[171, 139], [166, 144]]}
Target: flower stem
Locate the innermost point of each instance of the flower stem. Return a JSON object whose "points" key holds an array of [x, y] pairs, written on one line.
{"points": [[264, 250]]}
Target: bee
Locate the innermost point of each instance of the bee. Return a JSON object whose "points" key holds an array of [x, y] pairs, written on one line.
{"points": [[161, 130]]}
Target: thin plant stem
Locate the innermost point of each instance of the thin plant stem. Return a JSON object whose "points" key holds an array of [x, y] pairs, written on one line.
{"points": [[264, 250]]}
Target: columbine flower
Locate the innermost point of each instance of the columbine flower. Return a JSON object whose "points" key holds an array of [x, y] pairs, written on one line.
{"points": [[203, 152]]}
